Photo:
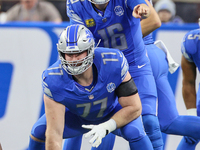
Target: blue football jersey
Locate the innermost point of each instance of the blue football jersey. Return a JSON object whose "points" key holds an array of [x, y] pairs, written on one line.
{"points": [[190, 47], [116, 28], [94, 104]]}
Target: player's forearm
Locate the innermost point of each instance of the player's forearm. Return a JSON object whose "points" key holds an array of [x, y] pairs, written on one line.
{"points": [[126, 115], [189, 95], [53, 141], [151, 23]]}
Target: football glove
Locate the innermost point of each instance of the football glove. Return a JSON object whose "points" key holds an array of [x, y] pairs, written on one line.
{"points": [[99, 131]]}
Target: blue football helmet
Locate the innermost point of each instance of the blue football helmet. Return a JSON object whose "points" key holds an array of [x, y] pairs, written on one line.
{"points": [[76, 39]]}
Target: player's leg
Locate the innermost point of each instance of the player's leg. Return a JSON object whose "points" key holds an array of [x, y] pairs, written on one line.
{"points": [[188, 143], [135, 135], [37, 137], [36, 144], [170, 121], [152, 129], [145, 83], [167, 111], [72, 128]]}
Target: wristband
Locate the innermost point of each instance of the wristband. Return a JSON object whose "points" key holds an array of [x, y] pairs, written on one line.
{"points": [[192, 112], [110, 125]]}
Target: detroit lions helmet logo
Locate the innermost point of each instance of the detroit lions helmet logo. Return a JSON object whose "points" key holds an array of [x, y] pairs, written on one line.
{"points": [[89, 35], [110, 87]]}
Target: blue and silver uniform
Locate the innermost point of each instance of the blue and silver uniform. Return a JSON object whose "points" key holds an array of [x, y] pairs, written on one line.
{"points": [[170, 120], [117, 28], [69, 93], [190, 49], [90, 105]]}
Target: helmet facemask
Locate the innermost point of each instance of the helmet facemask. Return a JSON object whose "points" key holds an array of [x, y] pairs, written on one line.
{"points": [[98, 2], [76, 39]]}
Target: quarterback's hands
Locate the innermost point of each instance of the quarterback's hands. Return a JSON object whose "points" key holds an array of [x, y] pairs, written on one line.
{"points": [[141, 11], [99, 131]]}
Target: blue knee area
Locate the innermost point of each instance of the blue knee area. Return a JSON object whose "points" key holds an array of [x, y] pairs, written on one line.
{"points": [[184, 125], [187, 143], [33, 145], [152, 129], [39, 128], [38, 131], [107, 143], [142, 144], [73, 143], [133, 131]]}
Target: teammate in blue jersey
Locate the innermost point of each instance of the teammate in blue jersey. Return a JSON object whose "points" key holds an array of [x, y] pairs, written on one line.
{"points": [[190, 61], [117, 24], [170, 121], [88, 90]]}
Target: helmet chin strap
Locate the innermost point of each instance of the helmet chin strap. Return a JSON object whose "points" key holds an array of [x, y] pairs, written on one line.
{"points": [[98, 43]]}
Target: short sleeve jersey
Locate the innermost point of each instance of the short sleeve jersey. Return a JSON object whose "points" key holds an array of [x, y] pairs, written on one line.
{"points": [[190, 47], [91, 105], [117, 28]]}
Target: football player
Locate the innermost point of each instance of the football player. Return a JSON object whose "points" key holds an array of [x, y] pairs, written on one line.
{"points": [[190, 62], [116, 23], [88, 90]]}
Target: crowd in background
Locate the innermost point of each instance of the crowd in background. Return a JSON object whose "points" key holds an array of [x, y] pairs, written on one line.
{"points": [[178, 12]]}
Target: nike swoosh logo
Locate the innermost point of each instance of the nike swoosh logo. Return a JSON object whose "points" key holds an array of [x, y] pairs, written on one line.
{"points": [[141, 66]]}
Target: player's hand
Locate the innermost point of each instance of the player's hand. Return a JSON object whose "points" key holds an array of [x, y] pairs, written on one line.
{"points": [[99, 131], [141, 11]]}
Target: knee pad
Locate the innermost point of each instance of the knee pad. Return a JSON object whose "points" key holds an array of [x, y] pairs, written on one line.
{"points": [[133, 131], [38, 131], [150, 123], [152, 129]]}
